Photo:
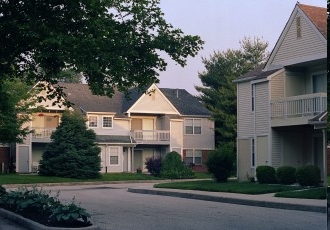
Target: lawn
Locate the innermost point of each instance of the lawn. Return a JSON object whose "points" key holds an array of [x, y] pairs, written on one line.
{"points": [[314, 193], [36, 179], [232, 187]]}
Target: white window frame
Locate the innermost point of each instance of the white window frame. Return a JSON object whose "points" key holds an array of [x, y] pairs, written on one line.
{"points": [[111, 122], [193, 126], [113, 154], [89, 121], [193, 152]]}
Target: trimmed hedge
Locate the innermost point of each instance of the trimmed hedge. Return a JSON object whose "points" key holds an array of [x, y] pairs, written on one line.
{"points": [[266, 174], [174, 168], [286, 175], [220, 163], [309, 175]]}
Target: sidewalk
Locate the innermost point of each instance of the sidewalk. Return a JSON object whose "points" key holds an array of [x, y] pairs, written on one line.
{"points": [[264, 200]]}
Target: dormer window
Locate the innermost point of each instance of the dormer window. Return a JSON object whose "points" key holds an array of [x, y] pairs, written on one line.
{"points": [[298, 25]]}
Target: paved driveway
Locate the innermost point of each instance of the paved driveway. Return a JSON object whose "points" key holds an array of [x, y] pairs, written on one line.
{"points": [[112, 207]]}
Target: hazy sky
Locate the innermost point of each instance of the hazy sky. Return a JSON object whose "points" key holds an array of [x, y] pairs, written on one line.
{"points": [[222, 24]]}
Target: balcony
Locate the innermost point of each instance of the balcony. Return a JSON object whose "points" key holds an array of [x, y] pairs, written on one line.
{"points": [[42, 134], [161, 137], [297, 110]]}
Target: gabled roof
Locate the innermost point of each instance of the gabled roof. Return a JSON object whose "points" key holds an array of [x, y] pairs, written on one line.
{"points": [[317, 17], [82, 97]]}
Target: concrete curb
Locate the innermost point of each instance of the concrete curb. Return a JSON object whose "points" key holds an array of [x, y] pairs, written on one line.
{"points": [[266, 204], [34, 225]]}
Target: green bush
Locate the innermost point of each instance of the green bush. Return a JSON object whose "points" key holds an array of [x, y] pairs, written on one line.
{"points": [[174, 168], [286, 175], [47, 209], [309, 175], [220, 163], [73, 151], [266, 174]]}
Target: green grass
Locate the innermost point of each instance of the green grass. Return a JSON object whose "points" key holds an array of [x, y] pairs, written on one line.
{"points": [[232, 187], [36, 179], [316, 193]]}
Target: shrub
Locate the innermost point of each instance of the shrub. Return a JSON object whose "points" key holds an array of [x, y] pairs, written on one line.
{"points": [[286, 175], [309, 175], [39, 205], [153, 165], [266, 174], [220, 163], [73, 151], [174, 168]]}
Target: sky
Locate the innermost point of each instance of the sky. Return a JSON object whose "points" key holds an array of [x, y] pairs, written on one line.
{"points": [[221, 24]]}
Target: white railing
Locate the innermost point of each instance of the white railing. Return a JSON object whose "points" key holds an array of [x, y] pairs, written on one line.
{"points": [[40, 133], [303, 105], [151, 135]]}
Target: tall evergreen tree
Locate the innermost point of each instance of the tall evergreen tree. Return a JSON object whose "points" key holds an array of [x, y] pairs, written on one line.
{"points": [[218, 92], [73, 152]]}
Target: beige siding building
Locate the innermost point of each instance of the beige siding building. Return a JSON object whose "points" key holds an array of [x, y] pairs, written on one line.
{"points": [[282, 105], [149, 124]]}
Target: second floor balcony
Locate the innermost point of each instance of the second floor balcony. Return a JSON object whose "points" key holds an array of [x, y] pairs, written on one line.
{"points": [[297, 110], [42, 134], [151, 136]]}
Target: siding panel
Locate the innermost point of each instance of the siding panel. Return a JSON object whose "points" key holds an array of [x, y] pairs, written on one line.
{"points": [[277, 86], [244, 115], [262, 108]]}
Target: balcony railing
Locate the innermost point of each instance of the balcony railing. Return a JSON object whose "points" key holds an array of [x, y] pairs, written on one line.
{"points": [[151, 136], [42, 134], [298, 106]]}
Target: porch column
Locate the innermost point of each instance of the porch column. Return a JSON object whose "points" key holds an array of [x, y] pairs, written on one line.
{"points": [[132, 169], [129, 166]]}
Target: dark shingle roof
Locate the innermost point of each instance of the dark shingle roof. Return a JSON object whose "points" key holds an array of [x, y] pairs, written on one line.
{"points": [[318, 15], [82, 97], [184, 102], [256, 74]]}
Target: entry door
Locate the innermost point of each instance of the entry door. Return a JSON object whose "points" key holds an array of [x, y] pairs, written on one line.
{"points": [[23, 152], [138, 159], [318, 152]]}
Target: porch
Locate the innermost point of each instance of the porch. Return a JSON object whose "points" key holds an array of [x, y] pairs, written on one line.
{"points": [[154, 137], [297, 110], [42, 134]]}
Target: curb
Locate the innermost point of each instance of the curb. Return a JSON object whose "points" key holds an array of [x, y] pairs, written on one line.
{"points": [[34, 225], [266, 204]]}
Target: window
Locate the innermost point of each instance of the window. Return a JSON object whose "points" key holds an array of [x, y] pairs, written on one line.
{"points": [[92, 121], [193, 156], [252, 97], [253, 155], [107, 122], [114, 156], [193, 126], [298, 27]]}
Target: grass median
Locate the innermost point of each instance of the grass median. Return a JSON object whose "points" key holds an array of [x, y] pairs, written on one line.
{"points": [[247, 188]]}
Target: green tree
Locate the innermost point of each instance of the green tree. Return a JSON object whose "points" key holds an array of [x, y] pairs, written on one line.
{"points": [[73, 152], [218, 92], [113, 43], [17, 103]]}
